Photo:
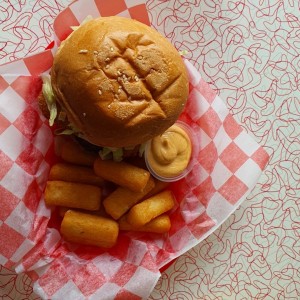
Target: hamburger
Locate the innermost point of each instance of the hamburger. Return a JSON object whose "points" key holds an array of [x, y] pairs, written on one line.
{"points": [[115, 83]]}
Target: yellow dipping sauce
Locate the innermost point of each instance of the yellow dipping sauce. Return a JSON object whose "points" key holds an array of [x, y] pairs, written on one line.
{"points": [[169, 153]]}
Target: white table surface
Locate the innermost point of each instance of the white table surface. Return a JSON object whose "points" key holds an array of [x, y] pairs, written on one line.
{"points": [[249, 53]]}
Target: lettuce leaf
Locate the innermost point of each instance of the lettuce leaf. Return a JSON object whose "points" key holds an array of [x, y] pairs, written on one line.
{"points": [[183, 52], [111, 153], [49, 97]]}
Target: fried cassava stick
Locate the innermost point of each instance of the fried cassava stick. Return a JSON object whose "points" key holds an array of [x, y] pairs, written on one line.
{"points": [[74, 173], [75, 195], [82, 228], [160, 224], [145, 211], [122, 199], [73, 153], [122, 173]]}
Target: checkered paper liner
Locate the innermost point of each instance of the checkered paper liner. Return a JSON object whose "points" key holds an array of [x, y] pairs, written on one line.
{"points": [[226, 168]]}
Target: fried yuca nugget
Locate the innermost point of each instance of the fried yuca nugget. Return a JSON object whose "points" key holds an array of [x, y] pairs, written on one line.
{"points": [[74, 195], [122, 199], [145, 211], [122, 173], [74, 173], [160, 224], [73, 153], [88, 229]]}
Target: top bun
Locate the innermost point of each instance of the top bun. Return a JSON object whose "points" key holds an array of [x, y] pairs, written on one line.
{"points": [[119, 81]]}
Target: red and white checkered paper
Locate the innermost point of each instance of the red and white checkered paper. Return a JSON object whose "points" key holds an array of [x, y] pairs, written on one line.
{"points": [[225, 170]]}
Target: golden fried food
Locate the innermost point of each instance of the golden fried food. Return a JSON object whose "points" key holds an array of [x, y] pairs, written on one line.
{"points": [[147, 210], [74, 173], [72, 152], [160, 224], [122, 199], [75, 195], [122, 173], [87, 229]]}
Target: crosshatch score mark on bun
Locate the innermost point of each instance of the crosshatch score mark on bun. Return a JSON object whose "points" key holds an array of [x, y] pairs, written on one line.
{"points": [[119, 81]]}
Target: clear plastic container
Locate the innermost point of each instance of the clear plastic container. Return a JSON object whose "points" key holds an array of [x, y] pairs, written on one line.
{"points": [[190, 164]]}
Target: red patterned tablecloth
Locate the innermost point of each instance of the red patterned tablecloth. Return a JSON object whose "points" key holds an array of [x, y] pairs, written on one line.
{"points": [[249, 53]]}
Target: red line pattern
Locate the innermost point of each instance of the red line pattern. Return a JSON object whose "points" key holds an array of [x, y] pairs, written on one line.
{"points": [[26, 26], [249, 53]]}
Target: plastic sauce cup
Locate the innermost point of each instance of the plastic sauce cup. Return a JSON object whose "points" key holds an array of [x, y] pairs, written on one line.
{"points": [[190, 164]]}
